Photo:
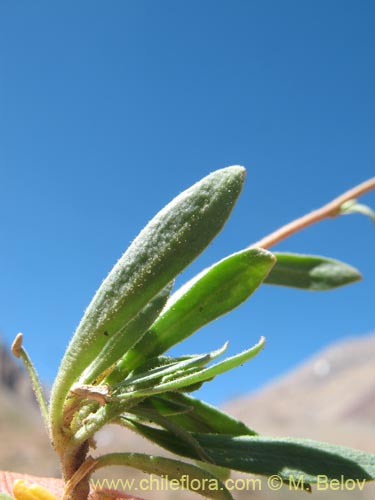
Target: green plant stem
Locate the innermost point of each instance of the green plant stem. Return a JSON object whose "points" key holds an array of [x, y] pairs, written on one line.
{"points": [[164, 467], [331, 209], [19, 352]]}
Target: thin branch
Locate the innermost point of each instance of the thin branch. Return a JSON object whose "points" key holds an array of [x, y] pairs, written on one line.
{"points": [[331, 209]]}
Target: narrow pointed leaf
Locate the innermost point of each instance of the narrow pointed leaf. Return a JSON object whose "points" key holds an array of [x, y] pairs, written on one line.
{"points": [[165, 407], [173, 239], [176, 366], [128, 336], [310, 272], [208, 485], [288, 458], [162, 437], [196, 415], [352, 207], [167, 439], [19, 352], [201, 376], [178, 432], [211, 294]]}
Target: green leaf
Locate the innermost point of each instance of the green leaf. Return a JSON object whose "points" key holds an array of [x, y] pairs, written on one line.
{"points": [[203, 375], [171, 241], [212, 418], [179, 430], [164, 407], [19, 352], [221, 472], [212, 293], [174, 368], [310, 272], [178, 433], [352, 207], [131, 332], [162, 437], [195, 415], [205, 483], [290, 459]]}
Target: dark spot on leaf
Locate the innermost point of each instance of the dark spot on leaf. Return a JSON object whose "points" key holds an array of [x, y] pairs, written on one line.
{"points": [[106, 334]]}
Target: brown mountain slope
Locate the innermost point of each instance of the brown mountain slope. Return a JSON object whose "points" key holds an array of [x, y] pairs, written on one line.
{"points": [[330, 397]]}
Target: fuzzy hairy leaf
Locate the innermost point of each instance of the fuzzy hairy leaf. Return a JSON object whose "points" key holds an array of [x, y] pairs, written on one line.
{"points": [[212, 293], [171, 241], [180, 434], [310, 272], [120, 344], [196, 415], [176, 366], [288, 458], [184, 380]]}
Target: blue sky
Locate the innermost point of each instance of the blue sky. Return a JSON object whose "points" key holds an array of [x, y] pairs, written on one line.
{"points": [[110, 109]]}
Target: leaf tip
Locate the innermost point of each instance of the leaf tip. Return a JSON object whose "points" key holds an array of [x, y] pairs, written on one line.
{"points": [[352, 206], [17, 345]]}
